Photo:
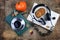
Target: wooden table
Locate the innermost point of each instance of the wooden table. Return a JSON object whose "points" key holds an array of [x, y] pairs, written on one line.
{"points": [[6, 32]]}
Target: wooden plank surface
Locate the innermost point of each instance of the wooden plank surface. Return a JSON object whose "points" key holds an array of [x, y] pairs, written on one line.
{"points": [[6, 32]]}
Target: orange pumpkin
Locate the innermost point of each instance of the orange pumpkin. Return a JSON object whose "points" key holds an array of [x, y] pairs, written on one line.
{"points": [[21, 6]]}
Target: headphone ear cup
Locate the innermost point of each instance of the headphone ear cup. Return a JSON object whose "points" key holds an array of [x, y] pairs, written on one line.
{"points": [[48, 17], [43, 21]]}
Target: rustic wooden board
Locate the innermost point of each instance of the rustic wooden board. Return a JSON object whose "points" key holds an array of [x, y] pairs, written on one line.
{"points": [[6, 32]]}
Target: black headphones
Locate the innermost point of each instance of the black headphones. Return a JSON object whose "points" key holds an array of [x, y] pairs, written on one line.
{"points": [[48, 14]]}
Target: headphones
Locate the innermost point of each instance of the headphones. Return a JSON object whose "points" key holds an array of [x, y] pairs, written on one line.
{"points": [[47, 16]]}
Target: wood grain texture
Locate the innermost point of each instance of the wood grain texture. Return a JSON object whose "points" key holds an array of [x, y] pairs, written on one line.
{"points": [[7, 5]]}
